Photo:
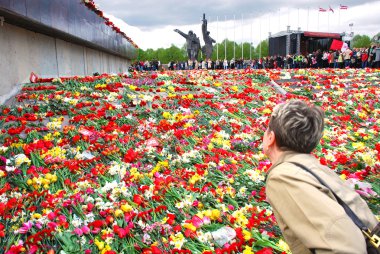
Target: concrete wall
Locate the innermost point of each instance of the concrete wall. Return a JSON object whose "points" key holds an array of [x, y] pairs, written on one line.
{"points": [[23, 52]]}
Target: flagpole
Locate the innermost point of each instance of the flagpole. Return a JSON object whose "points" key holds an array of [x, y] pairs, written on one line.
{"points": [[288, 18], [250, 45], [298, 25], [308, 8], [242, 35], [217, 37], [260, 40], [234, 37], [328, 21], [318, 21], [225, 40], [209, 22], [201, 50], [339, 18]]}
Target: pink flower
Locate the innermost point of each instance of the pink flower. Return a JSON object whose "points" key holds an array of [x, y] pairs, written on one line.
{"points": [[25, 228], [206, 220], [78, 232], [95, 230], [52, 225], [196, 221], [86, 230], [51, 216], [62, 218], [33, 249]]}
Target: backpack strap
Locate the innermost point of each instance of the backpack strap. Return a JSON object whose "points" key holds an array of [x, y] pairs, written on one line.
{"points": [[346, 208]]}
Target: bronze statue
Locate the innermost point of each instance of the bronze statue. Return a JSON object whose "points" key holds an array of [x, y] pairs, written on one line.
{"points": [[192, 43], [207, 48]]}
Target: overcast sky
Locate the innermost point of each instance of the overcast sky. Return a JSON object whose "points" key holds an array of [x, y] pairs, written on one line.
{"points": [[150, 24]]}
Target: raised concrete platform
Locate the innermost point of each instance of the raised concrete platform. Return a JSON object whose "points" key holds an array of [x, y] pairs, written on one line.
{"points": [[23, 52], [54, 38]]}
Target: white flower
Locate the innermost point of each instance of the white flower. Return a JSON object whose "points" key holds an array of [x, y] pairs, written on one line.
{"points": [[3, 198], [255, 175], [83, 240], [90, 217], [109, 186], [10, 168], [204, 237], [20, 159], [109, 240], [141, 224], [3, 149], [83, 185], [89, 199], [147, 239], [180, 205], [103, 205], [77, 222]]}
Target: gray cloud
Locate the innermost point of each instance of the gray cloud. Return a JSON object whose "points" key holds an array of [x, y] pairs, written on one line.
{"points": [[149, 15]]}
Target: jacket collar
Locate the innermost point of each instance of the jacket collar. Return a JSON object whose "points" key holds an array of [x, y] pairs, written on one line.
{"points": [[290, 156]]}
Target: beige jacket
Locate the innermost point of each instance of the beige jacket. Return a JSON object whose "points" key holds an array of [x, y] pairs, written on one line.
{"points": [[309, 216]]}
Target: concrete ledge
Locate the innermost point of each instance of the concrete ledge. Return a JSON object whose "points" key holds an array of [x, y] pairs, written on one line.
{"points": [[68, 20], [23, 51]]}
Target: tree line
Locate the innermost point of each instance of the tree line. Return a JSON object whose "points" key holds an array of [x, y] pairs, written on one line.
{"points": [[222, 50], [364, 41], [225, 50]]}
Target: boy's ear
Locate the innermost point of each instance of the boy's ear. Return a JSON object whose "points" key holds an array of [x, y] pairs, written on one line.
{"points": [[271, 139]]}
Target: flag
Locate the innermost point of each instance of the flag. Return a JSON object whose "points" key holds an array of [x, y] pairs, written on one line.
{"points": [[336, 45], [322, 9], [330, 9], [344, 47], [343, 7]]}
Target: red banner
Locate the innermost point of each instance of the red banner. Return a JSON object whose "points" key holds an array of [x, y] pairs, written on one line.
{"points": [[336, 45]]}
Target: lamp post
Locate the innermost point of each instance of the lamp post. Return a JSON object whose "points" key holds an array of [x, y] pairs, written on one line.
{"points": [[351, 25]]}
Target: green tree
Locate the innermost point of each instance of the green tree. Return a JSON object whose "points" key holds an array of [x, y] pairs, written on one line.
{"points": [[264, 49], [161, 54], [224, 49], [174, 54], [361, 41], [150, 54], [141, 55]]}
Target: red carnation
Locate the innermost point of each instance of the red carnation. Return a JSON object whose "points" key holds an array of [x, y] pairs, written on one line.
{"points": [[138, 199], [130, 156]]}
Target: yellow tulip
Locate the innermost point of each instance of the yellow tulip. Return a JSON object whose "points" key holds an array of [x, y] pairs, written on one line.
{"points": [[119, 213]]}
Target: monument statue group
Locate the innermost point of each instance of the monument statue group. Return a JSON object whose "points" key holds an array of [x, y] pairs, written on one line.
{"points": [[193, 44]]}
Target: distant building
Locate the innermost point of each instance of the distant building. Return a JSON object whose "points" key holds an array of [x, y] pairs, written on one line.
{"points": [[292, 42]]}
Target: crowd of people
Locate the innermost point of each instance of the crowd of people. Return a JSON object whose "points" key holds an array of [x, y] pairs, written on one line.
{"points": [[355, 58], [146, 65], [352, 58]]}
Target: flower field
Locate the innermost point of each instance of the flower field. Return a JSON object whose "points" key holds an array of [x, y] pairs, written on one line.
{"points": [[168, 162]]}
